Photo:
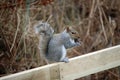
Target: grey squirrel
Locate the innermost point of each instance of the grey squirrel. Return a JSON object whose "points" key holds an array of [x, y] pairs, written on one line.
{"points": [[54, 46]]}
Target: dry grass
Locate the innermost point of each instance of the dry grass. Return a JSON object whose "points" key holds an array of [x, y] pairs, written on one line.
{"points": [[97, 21]]}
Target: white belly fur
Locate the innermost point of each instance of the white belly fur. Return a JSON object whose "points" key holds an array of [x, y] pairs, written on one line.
{"points": [[72, 41], [63, 53]]}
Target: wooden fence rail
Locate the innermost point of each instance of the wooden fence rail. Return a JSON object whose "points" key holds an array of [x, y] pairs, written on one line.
{"points": [[77, 67]]}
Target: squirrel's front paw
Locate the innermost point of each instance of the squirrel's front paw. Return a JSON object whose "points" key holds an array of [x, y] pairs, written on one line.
{"points": [[66, 60], [77, 44]]}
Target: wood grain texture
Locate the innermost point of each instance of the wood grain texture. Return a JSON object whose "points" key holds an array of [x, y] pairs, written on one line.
{"points": [[91, 63]]}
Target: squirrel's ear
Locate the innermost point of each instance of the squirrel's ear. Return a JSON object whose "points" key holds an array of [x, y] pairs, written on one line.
{"points": [[67, 29]]}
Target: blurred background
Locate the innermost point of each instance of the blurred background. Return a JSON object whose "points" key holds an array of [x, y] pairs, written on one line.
{"points": [[97, 21]]}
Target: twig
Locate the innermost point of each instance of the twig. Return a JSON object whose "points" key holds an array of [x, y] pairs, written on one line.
{"points": [[113, 73], [96, 42], [23, 3], [49, 18], [101, 20], [62, 15], [1, 54], [75, 51], [91, 16], [15, 33]]}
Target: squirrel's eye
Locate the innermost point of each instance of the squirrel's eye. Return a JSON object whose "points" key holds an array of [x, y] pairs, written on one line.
{"points": [[73, 32]]}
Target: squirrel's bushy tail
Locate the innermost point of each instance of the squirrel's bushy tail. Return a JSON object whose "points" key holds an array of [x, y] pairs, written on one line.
{"points": [[45, 32]]}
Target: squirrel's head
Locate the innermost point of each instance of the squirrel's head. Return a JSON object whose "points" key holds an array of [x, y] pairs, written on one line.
{"points": [[73, 34]]}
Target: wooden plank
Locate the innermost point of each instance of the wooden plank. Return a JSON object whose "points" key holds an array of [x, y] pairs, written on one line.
{"points": [[91, 63], [54, 73], [77, 67], [41, 73]]}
